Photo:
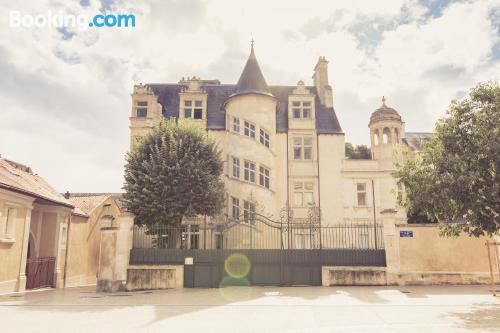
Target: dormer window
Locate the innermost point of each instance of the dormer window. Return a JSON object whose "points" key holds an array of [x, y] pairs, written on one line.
{"points": [[141, 109], [301, 109], [193, 109]]}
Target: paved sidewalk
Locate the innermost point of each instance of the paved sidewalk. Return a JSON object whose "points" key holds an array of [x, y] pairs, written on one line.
{"points": [[255, 309]]}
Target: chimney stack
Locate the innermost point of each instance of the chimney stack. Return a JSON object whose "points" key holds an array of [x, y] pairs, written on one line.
{"points": [[320, 78]]}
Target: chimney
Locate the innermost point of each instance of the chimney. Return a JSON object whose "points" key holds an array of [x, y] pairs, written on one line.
{"points": [[320, 78]]}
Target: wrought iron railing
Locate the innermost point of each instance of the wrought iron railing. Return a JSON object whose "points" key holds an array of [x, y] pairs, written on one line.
{"points": [[259, 233]]}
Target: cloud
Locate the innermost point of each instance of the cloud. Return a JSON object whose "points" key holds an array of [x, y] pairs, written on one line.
{"points": [[66, 102]]}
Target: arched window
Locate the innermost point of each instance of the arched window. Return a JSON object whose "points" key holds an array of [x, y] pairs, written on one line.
{"points": [[396, 133], [386, 136], [375, 138]]}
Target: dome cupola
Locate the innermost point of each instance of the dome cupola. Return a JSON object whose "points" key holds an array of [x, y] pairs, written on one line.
{"points": [[384, 113]]}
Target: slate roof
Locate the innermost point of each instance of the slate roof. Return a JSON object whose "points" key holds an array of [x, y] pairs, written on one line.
{"points": [[20, 178], [168, 97], [251, 79], [415, 139]]}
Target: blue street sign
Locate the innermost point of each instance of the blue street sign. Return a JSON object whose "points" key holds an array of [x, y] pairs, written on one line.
{"points": [[406, 233]]}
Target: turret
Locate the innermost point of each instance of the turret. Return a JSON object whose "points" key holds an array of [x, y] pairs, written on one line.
{"points": [[386, 131]]}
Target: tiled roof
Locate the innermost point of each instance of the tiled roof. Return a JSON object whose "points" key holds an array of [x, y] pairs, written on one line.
{"points": [[168, 97], [20, 178], [415, 139], [87, 202]]}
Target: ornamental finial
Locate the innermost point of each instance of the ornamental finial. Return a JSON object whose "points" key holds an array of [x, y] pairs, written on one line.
{"points": [[383, 101]]}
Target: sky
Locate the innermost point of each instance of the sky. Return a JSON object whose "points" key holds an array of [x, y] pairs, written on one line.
{"points": [[65, 92]]}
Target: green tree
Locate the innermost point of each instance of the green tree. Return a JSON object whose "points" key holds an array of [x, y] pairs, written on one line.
{"points": [[361, 152], [455, 176], [173, 172]]}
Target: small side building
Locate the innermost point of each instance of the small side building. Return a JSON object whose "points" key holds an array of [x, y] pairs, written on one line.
{"points": [[98, 210], [34, 220]]}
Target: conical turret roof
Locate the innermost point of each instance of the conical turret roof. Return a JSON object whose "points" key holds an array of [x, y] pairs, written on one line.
{"points": [[252, 80]]}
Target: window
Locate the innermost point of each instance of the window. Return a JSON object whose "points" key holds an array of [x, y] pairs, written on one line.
{"points": [[264, 176], [303, 194], [249, 171], [386, 136], [302, 148], [219, 240], [400, 191], [141, 109], [188, 109], [235, 211], [8, 226], [236, 167], [264, 138], [236, 125], [301, 110], [193, 109], [249, 130], [376, 138], [361, 194], [249, 212], [194, 236]]}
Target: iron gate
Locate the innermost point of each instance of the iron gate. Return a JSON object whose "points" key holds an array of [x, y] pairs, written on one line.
{"points": [[256, 250], [40, 272]]}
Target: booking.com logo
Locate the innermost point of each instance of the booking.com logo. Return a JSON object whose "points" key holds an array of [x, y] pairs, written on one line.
{"points": [[81, 22]]}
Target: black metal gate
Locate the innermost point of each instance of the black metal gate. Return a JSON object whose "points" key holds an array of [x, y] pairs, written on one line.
{"points": [[40, 272], [257, 251], [219, 268]]}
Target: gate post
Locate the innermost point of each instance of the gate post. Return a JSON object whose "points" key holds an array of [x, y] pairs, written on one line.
{"points": [[391, 243], [115, 245]]}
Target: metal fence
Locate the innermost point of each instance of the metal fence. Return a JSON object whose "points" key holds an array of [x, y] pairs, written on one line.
{"points": [[259, 233]]}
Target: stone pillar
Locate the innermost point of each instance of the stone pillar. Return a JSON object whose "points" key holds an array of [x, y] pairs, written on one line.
{"points": [[124, 245], [21, 280], [116, 241], [391, 241]]}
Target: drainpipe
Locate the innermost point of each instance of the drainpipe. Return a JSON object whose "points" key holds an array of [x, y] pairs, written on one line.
{"points": [[319, 189]]}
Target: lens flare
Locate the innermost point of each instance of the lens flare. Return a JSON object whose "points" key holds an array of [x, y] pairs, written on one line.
{"points": [[237, 266], [230, 289]]}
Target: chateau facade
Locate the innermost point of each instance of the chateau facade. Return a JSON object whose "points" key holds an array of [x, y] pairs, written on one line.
{"points": [[283, 145]]}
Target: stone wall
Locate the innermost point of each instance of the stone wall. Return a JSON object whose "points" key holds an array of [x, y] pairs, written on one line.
{"points": [[416, 254], [145, 277]]}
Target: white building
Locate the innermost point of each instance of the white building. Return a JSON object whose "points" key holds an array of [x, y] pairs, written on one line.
{"points": [[284, 144]]}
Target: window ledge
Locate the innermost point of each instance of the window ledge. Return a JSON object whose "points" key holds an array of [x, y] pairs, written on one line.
{"points": [[361, 207], [7, 240], [250, 183], [254, 140]]}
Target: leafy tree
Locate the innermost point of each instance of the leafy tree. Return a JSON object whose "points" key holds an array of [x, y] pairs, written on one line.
{"points": [[173, 172], [361, 152], [455, 177]]}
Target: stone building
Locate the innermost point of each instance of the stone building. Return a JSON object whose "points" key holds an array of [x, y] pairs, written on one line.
{"points": [[283, 145], [47, 239]]}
